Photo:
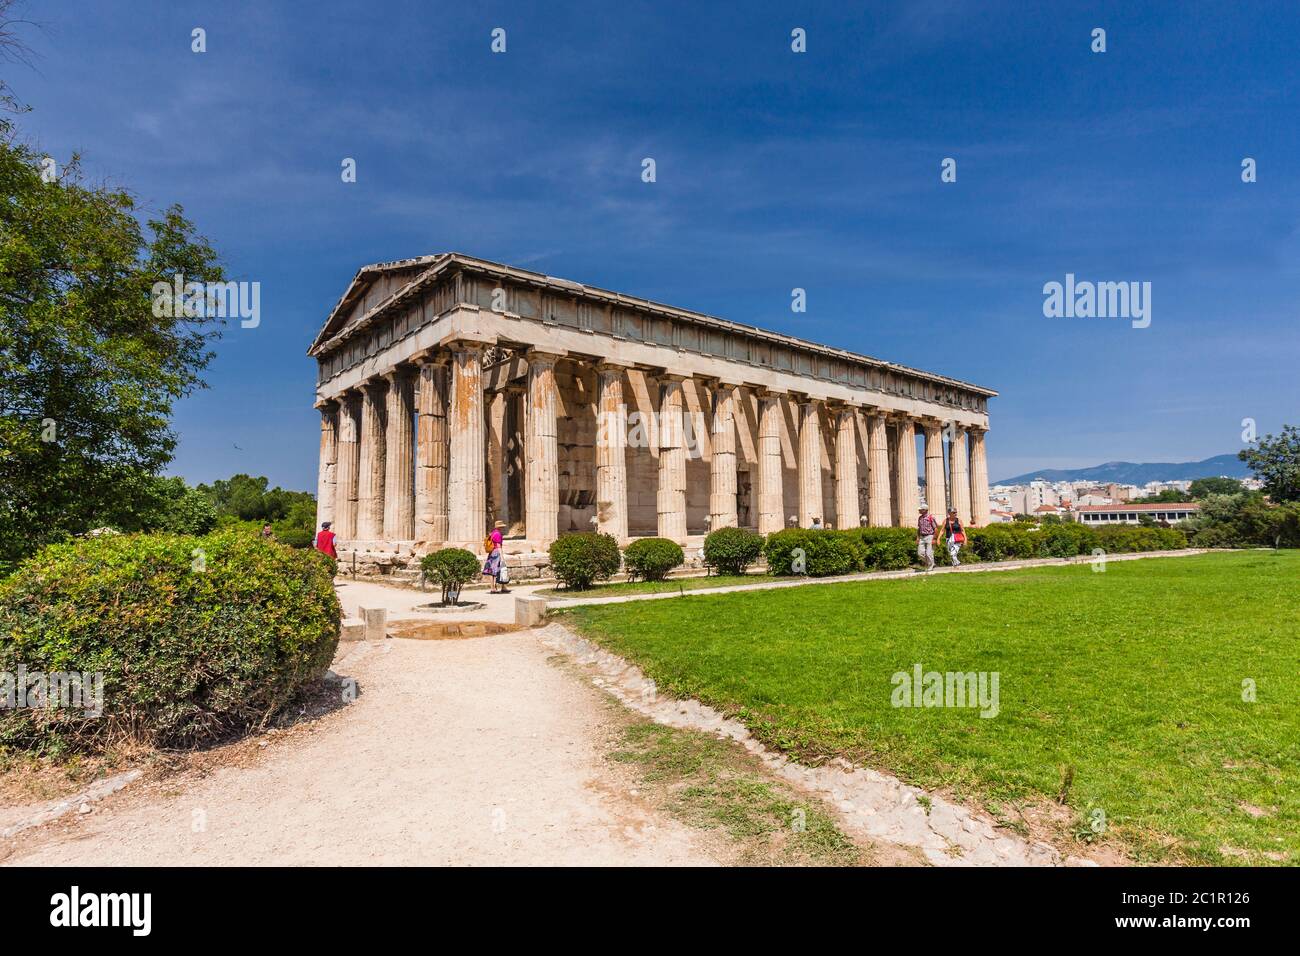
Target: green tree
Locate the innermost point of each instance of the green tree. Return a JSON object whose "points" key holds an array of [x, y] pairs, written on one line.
{"points": [[1169, 495], [88, 372], [249, 499], [1276, 463], [145, 502], [1204, 487]]}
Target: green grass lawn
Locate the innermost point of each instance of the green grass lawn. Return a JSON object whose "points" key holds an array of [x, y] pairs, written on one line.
{"points": [[695, 583], [1120, 692]]}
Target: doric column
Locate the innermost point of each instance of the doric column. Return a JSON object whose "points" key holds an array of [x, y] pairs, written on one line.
{"points": [[722, 466], [431, 453], [671, 498], [771, 496], [327, 470], [399, 471], [908, 503], [349, 466], [611, 453], [542, 472], [959, 480], [466, 484], [374, 457], [848, 513], [810, 462], [498, 482], [935, 494], [880, 512], [979, 479]]}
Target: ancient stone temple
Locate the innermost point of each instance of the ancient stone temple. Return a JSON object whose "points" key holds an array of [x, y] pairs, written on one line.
{"points": [[456, 392]]}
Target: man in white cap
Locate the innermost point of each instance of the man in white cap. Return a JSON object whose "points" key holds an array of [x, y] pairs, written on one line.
{"points": [[926, 527]]}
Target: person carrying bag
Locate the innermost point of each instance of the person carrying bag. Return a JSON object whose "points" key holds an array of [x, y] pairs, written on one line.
{"points": [[955, 533]]}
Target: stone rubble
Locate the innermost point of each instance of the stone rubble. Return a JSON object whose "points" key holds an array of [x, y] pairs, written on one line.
{"points": [[81, 802]]}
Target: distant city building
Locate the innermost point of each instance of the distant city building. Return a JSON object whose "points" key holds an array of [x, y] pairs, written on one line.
{"points": [[1171, 512]]}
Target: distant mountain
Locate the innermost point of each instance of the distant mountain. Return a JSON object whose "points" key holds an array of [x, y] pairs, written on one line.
{"points": [[1135, 473]]}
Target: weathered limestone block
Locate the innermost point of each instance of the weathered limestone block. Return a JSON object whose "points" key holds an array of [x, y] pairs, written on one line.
{"points": [[376, 622], [530, 611]]}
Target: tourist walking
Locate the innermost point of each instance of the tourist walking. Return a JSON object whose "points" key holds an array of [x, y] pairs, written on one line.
{"points": [[926, 527], [955, 533], [325, 541], [495, 565]]}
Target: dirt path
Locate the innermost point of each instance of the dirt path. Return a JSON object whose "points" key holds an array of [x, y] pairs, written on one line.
{"points": [[471, 752]]}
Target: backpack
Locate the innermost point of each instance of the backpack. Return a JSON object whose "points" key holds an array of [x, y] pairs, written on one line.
{"points": [[488, 546]]}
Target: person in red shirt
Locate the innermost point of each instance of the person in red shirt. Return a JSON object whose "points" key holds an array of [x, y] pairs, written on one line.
{"points": [[325, 541]]}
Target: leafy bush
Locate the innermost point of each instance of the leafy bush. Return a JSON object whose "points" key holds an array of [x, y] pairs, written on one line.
{"points": [[581, 558], [884, 549], [195, 637], [817, 554], [451, 569], [1123, 539], [1011, 542], [1004, 542], [293, 535], [732, 550], [652, 558], [1064, 540]]}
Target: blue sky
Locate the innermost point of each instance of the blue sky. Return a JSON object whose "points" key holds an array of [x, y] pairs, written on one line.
{"points": [[775, 170]]}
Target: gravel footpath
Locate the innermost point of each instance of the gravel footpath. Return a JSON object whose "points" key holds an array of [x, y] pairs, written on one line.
{"points": [[455, 752]]}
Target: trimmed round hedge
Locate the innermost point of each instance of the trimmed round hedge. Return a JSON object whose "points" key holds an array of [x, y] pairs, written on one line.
{"points": [[195, 637], [583, 557], [650, 559], [452, 569], [732, 550]]}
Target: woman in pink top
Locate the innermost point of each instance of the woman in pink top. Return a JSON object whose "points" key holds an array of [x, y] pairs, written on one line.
{"points": [[495, 560]]}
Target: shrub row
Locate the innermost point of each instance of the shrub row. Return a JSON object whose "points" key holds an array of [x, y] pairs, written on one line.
{"points": [[1008, 542], [825, 553], [580, 559]]}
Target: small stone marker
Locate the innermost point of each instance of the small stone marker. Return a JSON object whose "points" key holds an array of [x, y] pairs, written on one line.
{"points": [[353, 629], [530, 611], [376, 619]]}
